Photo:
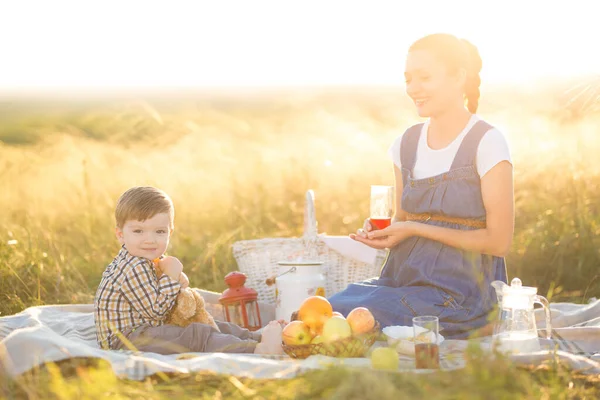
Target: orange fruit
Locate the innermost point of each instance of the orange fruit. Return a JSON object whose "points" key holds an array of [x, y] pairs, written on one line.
{"points": [[314, 311]]}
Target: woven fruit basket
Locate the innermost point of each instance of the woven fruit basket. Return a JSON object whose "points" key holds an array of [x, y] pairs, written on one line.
{"points": [[351, 347]]}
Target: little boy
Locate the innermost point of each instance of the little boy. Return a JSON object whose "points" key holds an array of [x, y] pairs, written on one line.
{"points": [[133, 300]]}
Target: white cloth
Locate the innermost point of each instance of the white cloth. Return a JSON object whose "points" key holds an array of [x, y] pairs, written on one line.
{"points": [[57, 332], [492, 149], [351, 248]]}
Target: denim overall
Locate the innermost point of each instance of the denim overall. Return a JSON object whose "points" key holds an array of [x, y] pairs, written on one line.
{"points": [[426, 277]]}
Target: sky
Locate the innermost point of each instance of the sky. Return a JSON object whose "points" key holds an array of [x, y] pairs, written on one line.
{"points": [[222, 43]]}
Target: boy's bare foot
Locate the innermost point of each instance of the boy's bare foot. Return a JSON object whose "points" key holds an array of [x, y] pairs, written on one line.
{"points": [[282, 322], [270, 342]]}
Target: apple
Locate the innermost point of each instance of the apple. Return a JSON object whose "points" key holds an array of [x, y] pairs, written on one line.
{"points": [[295, 333], [385, 358], [336, 328], [335, 313], [361, 320]]}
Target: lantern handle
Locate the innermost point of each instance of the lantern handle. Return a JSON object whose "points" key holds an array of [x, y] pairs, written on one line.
{"points": [[271, 281]]}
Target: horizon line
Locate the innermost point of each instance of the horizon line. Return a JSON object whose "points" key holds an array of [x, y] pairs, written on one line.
{"points": [[77, 91]]}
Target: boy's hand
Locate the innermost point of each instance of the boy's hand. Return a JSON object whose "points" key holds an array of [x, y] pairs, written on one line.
{"points": [[172, 267], [184, 281]]}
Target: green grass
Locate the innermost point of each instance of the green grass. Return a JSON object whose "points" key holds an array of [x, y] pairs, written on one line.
{"points": [[238, 168], [483, 378]]}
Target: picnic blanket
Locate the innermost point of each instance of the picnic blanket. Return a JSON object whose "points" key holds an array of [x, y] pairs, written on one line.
{"points": [[56, 332]]}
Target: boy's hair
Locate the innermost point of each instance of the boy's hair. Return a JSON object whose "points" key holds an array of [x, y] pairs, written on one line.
{"points": [[141, 203]]}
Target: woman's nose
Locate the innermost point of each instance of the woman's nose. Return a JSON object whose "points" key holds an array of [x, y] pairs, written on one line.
{"points": [[412, 88]]}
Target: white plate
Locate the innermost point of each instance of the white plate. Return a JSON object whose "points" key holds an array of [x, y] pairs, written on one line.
{"points": [[402, 338]]}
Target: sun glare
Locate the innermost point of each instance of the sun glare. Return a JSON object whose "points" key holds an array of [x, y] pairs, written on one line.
{"points": [[267, 43]]}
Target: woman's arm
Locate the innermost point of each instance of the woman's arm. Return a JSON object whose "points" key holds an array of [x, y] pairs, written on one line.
{"points": [[495, 239], [498, 199]]}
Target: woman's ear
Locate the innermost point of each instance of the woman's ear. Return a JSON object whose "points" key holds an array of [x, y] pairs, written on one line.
{"points": [[119, 234]]}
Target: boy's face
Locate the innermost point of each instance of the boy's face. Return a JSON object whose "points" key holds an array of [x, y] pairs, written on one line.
{"points": [[149, 238]]}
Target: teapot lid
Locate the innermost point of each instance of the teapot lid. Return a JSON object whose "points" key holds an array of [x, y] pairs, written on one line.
{"points": [[516, 288]]}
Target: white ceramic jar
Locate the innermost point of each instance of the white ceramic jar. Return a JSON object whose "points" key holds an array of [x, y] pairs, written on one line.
{"points": [[295, 282]]}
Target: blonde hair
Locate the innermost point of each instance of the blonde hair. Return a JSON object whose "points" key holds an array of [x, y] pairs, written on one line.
{"points": [[141, 203]]}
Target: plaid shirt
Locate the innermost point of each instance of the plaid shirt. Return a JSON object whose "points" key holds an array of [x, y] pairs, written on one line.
{"points": [[130, 295]]}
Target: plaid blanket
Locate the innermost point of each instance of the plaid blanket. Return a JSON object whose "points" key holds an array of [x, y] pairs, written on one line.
{"points": [[52, 333]]}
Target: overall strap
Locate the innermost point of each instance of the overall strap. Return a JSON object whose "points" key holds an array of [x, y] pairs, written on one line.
{"points": [[467, 152], [408, 146]]}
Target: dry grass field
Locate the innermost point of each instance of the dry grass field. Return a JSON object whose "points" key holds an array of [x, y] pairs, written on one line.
{"points": [[237, 166]]}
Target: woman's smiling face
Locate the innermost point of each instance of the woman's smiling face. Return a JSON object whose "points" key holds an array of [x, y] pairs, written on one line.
{"points": [[430, 85]]}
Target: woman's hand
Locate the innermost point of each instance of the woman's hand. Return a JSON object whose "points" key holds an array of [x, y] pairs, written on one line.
{"points": [[385, 238], [367, 227]]}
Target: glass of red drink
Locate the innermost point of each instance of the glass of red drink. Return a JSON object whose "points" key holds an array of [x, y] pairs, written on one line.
{"points": [[382, 200], [426, 337]]}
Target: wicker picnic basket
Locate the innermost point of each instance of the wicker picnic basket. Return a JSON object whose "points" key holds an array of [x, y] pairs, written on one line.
{"points": [[258, 258], [351, 347]]}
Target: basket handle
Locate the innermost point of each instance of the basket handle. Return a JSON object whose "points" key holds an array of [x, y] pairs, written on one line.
{"points": [[310, 218]]}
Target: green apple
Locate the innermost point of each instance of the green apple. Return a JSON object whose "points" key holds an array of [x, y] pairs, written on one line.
{"points": [[336, 328], [385, 358]]}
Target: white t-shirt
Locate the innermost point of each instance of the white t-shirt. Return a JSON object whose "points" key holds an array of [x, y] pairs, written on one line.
{"points": [[493, 148]]}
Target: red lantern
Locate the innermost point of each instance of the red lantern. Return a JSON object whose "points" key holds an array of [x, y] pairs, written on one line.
{"points": [[240, 302]]}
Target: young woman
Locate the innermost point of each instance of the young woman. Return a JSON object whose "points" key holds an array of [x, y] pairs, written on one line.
{"points": [[454, 201]]}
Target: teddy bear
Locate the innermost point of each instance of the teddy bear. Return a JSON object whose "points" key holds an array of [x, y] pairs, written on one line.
{"points": [[190, 307]]}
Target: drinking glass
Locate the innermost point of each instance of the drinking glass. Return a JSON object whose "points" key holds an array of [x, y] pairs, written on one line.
{"points": [[426, 336], [382, 200]]}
